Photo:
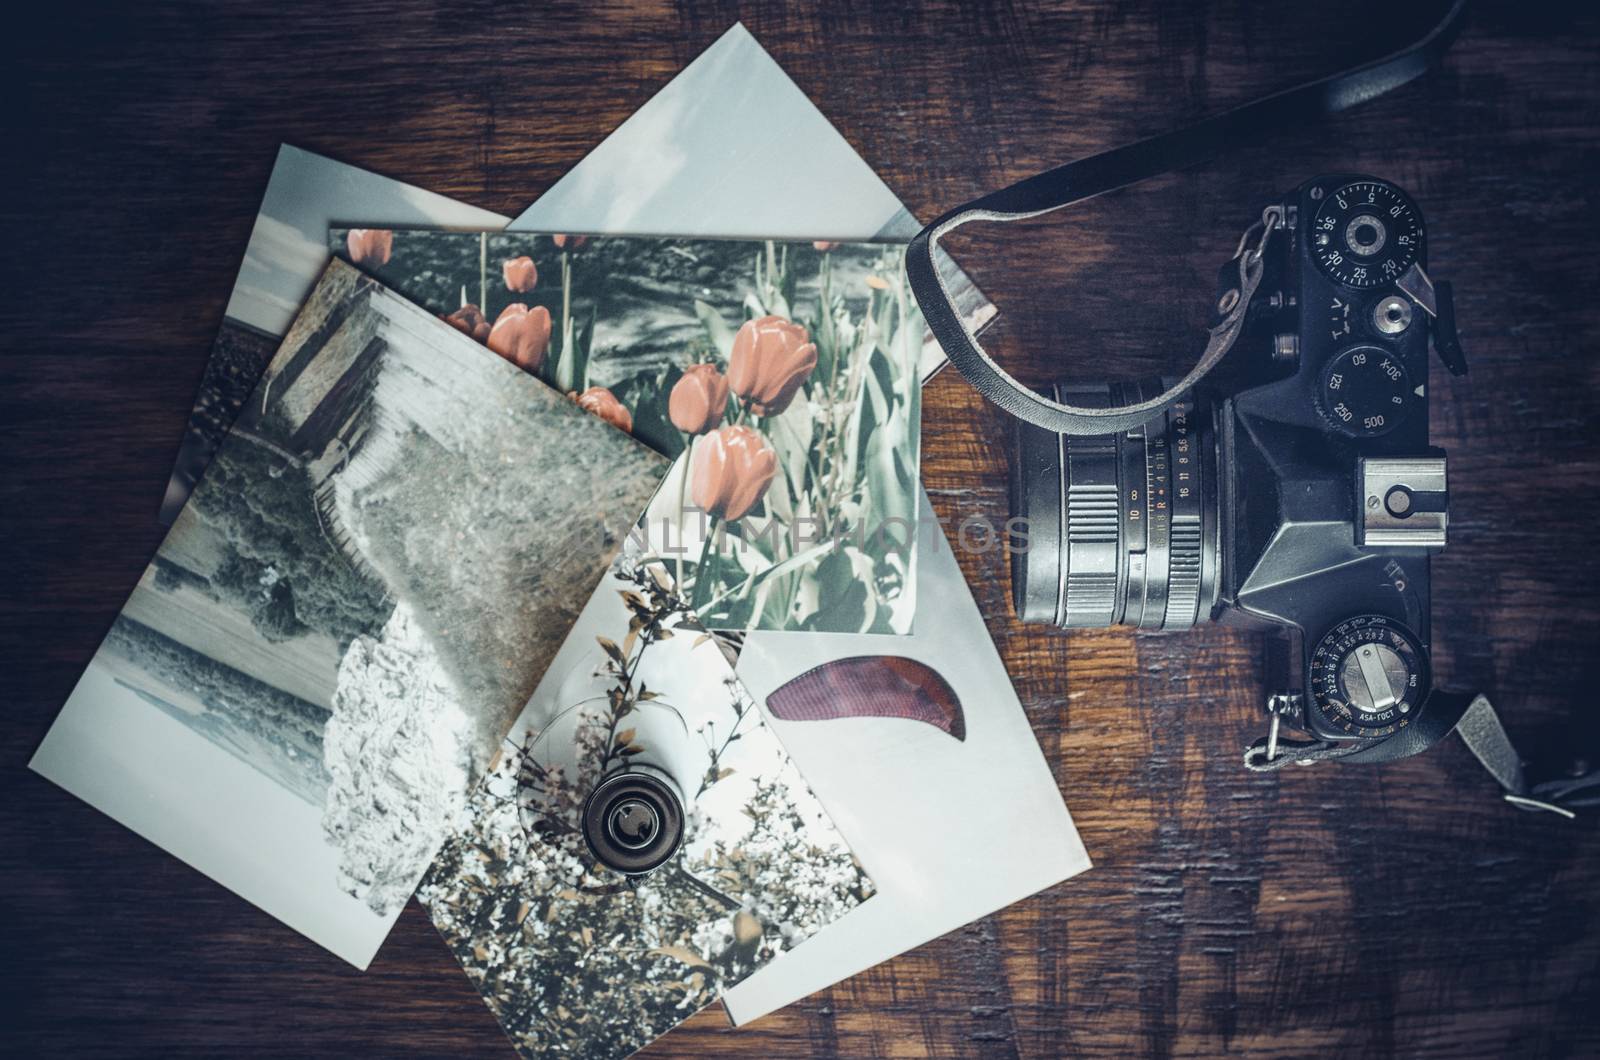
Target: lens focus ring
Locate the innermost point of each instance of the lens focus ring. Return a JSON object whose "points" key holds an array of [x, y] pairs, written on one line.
{"points": [[1089, 589]]}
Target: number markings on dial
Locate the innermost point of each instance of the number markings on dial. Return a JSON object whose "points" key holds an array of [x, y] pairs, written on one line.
{"points": [[1364, 391], [1330, 675], [1366, 233]]}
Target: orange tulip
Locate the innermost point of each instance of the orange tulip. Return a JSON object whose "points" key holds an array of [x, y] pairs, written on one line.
{"points": [[569, 242], [732, 468], [370, 246], [521, 335], [520, 274], [771, 357], [698, 400], [598, 401], [469, 320]]}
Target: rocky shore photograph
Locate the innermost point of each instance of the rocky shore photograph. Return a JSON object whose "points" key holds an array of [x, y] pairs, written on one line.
{"points": [[359, 597]]}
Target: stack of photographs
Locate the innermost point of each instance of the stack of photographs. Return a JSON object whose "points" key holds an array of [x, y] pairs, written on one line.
{"points": [[784, 375], [367, 583], [487, 514], [573, 964]]}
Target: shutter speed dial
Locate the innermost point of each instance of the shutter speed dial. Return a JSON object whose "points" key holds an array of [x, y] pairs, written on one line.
{"points": [[1368, 676], [1365, 391]]}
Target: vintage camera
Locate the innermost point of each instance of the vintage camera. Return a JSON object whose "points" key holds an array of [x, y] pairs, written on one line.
{"points": [[1295, 491]]}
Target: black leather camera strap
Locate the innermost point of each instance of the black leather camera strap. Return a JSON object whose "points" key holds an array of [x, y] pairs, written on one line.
{"points": [[1118, 168], [1471, 717]]}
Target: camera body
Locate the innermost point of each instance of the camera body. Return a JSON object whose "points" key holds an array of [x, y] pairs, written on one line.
{"points": [[1294, 491]]}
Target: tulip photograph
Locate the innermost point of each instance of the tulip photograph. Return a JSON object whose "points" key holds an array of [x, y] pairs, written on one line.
{"points": [[782, 378]]}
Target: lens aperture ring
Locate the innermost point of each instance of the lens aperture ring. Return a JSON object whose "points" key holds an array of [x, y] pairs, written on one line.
{"points": [[1184, 542], [1183, 579], [1135, 526]]}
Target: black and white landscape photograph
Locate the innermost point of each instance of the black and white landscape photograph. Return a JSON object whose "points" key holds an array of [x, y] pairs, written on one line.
{"points": [[349, 613]]}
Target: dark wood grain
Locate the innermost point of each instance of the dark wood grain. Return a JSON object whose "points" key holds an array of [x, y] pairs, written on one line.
{"points": [[1398, 909]]}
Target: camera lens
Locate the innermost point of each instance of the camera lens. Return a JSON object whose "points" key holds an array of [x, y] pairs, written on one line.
{"points": [[1121, 529]]}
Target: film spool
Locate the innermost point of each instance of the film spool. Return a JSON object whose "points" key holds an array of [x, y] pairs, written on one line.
{"points": [[633, 820], [580, 789]]}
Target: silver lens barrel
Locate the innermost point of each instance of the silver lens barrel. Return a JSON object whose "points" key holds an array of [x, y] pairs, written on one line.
{"points": [[1120, 528]]}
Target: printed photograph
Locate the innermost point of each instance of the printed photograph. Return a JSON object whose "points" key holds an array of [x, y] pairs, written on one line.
{"points": [[932, 720], [730, 148], [580, 959], [286, 254], [361, 594], [784, 374]]}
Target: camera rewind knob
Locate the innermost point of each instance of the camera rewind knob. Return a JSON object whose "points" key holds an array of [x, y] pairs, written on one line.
{"points": [[1368, 675]]}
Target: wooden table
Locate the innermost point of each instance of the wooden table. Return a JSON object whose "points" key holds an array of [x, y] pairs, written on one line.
{"points": [[1372, 910]]}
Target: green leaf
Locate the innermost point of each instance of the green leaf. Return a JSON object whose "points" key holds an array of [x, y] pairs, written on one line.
{"points": [[845, 600], [792, 434], [890, 479], [790, 281], [717, 329], [744, 598], [645, 396], [580, 352], [784, 601]]}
